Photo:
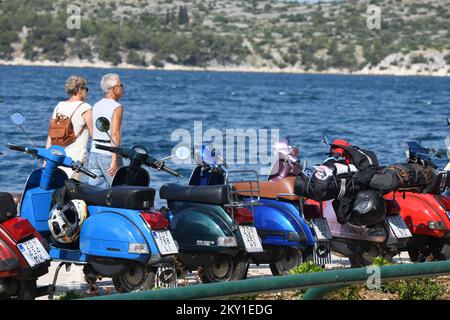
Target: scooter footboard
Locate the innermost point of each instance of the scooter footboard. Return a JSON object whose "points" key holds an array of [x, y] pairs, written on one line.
{"points": [[114, 235]]}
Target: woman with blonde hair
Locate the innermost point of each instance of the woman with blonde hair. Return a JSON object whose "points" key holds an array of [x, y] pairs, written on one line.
{"points": [[79, 113]]}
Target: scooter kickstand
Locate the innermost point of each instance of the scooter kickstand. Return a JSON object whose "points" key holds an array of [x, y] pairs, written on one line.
{"points": [[52, 287]]}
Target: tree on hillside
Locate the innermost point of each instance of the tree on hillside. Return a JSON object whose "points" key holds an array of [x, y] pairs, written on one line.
{"points": [[183, 16]]}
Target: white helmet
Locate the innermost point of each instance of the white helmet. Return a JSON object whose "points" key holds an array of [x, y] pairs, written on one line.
{"points": [[65, 222]]}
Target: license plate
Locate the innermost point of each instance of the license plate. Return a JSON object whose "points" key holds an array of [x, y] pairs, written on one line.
{"points": [[165, 242], [321, 229], [399, 227], [251, 239], [34, 252]]}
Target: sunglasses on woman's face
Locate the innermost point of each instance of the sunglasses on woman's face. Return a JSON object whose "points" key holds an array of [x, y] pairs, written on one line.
{"points": [[86, 88]]}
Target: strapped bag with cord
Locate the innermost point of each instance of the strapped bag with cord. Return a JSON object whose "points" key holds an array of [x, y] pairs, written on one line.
{"points": [[61, 130]]}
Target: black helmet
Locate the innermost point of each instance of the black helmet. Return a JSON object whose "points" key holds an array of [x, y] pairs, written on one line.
{"points": [[369, 208]]}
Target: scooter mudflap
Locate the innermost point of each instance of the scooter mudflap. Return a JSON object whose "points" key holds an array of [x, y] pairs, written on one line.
{"points": [[322, 253]]}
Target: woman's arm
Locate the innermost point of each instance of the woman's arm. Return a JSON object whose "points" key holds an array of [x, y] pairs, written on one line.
{"points": [[116, 127], [87, 116]]}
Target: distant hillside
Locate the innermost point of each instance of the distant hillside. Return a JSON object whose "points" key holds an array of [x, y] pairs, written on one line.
{"points": [[266, 35]]}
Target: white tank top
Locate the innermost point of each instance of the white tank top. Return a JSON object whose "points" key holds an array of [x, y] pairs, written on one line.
{"points": [[103, 108]]}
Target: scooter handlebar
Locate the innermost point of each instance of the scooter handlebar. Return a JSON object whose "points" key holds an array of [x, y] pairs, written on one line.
{"points": [[78, 167], [16, 147], [159, 165], [171, 171], [108, 148]]}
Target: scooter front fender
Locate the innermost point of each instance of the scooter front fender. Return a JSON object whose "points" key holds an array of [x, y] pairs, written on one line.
{"points": [[109, 234]]}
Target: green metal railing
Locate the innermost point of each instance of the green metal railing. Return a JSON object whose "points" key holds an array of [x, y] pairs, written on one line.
{"points": [[318, 283]]}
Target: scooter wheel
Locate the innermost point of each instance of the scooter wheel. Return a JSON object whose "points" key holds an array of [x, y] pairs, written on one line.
{"points": [[358, 261], [137, 278], [241, 267], [220, 269], [430, 250], [290, 258], [26, 290]]}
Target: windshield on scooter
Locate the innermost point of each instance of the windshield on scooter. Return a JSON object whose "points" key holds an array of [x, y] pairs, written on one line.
{"points": [[415, 151], [287, 156], [207, 154]]}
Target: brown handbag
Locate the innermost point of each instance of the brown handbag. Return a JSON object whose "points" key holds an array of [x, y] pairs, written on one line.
{"points": [[61, 131]]}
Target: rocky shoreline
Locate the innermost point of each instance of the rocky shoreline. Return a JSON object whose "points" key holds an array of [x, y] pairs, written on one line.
{"points": [[388, 67]]}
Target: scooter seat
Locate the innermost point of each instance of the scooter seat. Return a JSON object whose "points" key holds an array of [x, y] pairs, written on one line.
{"points": [[216, 194], [274, 189], [125, 197]]}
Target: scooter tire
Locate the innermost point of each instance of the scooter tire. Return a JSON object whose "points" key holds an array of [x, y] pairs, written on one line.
{"points": [[429, 251], [27, 290], [207, 273], [290, 259], [122, 285], [241, 267], [358, 261]]}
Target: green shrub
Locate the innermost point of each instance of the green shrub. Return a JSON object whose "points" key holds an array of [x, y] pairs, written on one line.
{"points": [[348, 293], [70, 295], [419, 59], [411, 289], [447, 59], [306, 267], [421, 289]]}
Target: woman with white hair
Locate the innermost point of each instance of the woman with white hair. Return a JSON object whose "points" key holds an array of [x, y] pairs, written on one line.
{"points": [[104, 163], [79, 113]]}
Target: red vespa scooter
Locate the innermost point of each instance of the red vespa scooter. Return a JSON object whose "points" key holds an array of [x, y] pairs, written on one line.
{"points": [[23, 254], [427, 215]]}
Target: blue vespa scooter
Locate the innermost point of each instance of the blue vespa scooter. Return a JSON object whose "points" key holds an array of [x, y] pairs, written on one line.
{"points": [[122, 237], [286, 238]]}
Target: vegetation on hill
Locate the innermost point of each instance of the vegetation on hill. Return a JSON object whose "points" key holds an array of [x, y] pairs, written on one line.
{"points": [[224, 32]]}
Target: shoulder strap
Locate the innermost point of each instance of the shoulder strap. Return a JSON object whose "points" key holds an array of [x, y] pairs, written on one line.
{"points": [[76, 109]]}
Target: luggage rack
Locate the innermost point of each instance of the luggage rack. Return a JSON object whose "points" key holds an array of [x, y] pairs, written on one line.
{"points": [[234, 200]]}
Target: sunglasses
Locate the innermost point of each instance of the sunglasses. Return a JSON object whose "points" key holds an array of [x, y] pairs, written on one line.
{"points": [[86, 88]]}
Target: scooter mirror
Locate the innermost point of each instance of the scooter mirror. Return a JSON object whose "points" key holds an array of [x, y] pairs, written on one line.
{"points": [[18, 118], [182, 153], [102, 124], [435, 152]]}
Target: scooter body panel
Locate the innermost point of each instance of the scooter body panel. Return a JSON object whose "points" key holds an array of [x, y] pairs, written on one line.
{"points": [[197, 226], [108, 232], [275, 220], [348, 232], [18, 263], [417, 210]]}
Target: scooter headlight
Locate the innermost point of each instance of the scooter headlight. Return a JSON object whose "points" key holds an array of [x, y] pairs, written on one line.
{"points": [[139, 248], [436, 225], [226, 242]]}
